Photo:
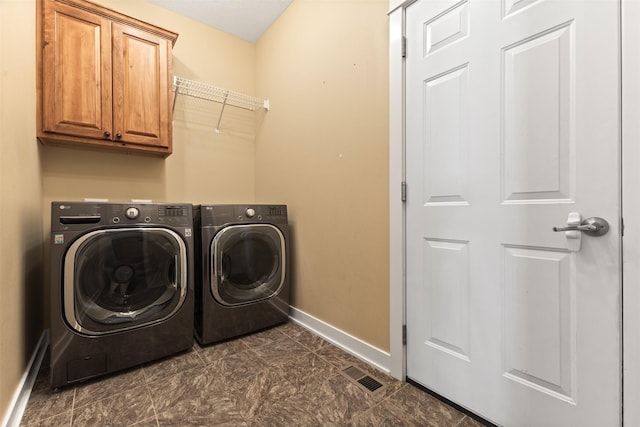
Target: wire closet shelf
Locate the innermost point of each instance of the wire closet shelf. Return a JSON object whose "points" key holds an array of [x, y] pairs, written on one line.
{"points": [[209, 92]]}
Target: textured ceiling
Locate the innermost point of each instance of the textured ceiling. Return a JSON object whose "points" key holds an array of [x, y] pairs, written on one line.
{"points": [[247, 19]]}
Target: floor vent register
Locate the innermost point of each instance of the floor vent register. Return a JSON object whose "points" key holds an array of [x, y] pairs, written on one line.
{"points": [[364, 381]]}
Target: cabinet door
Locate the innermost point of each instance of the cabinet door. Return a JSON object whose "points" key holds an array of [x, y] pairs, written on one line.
{"points": [[77, 72], [141, 88]]}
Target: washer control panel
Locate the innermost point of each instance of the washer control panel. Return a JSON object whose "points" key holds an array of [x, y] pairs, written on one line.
{"points": [[83, 215]]}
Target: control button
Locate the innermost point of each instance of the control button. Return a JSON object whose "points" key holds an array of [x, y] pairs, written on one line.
{"points": [[115, 220], [250, 213], [147, 219], [132, 213]]}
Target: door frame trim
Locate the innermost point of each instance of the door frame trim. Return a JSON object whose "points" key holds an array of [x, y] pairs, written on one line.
{"points": [[397, 350], [630, 129]]}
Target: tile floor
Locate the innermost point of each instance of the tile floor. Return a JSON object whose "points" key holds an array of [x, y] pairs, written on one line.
{"points": [[284, 376]]}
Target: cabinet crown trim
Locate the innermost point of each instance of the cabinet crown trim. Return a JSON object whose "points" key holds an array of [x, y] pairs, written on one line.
{"points": [[118, 17]]}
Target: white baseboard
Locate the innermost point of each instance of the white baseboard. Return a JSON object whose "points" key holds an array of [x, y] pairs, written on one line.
{"points": [[355, 346], [23, 391]]}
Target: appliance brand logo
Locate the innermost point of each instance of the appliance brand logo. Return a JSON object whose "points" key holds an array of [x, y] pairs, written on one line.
{"points": [[58, 239]]}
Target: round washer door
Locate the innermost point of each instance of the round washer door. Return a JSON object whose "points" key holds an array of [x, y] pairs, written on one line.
{"points": [[120, 279], [248, 263]]}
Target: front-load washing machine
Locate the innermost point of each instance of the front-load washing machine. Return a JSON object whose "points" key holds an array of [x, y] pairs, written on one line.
{"points": [[121, 286], [242, 282]]}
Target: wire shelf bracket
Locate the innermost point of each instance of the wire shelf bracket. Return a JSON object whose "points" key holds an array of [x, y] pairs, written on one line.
{"points": [[209, 92]]}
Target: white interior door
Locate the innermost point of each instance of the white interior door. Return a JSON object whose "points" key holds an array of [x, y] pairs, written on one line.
{"points": [[513, 122]]}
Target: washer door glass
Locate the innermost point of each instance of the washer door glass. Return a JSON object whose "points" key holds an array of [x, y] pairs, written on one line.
{"points": [[248, 263], [124, 278]]}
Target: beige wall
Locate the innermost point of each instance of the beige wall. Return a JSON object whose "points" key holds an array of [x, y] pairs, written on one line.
{"points": [[323, 150], [21, 277]]}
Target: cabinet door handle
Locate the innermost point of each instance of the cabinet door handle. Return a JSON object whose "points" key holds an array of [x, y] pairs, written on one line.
{"points": [[107, 134], [118, 135]]}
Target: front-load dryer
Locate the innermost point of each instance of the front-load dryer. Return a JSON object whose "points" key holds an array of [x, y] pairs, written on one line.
{"points": [[242, 282], [121, 286]]}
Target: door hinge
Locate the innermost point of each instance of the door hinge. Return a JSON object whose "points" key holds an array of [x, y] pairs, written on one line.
{"points": [[404, 47], [622, 227], [404, 334], [403, 191]]}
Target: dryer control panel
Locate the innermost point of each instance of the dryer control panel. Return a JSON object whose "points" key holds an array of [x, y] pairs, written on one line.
{"points": [[216, 215], [276, 214]]}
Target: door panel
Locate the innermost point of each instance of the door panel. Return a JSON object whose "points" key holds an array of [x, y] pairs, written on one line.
{"points": [[446, 140], [513, 123], [539, 297], [538, 77], [446, 264]]}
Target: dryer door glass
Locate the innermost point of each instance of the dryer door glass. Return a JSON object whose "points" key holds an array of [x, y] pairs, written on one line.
{"points": [[124, 278], [248, 263]]}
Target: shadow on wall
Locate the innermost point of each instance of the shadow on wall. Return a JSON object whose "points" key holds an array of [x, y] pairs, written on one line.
{"points": [[207, 116], [291, 257], [75, 174], [33, 299], [203, 114]]}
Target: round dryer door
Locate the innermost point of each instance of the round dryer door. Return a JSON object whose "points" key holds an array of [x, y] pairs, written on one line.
{"points": [[120, 279], [248, 263]]}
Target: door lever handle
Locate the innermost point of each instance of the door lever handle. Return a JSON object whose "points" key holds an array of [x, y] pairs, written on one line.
{"points": [[580, 227], [594, 226]]}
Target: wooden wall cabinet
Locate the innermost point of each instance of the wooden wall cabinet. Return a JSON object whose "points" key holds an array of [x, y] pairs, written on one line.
{"points": [[104, 79]]}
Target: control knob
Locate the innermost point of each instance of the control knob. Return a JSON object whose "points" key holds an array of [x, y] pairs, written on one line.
{"points": [[250, 213], [132, 213]]}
